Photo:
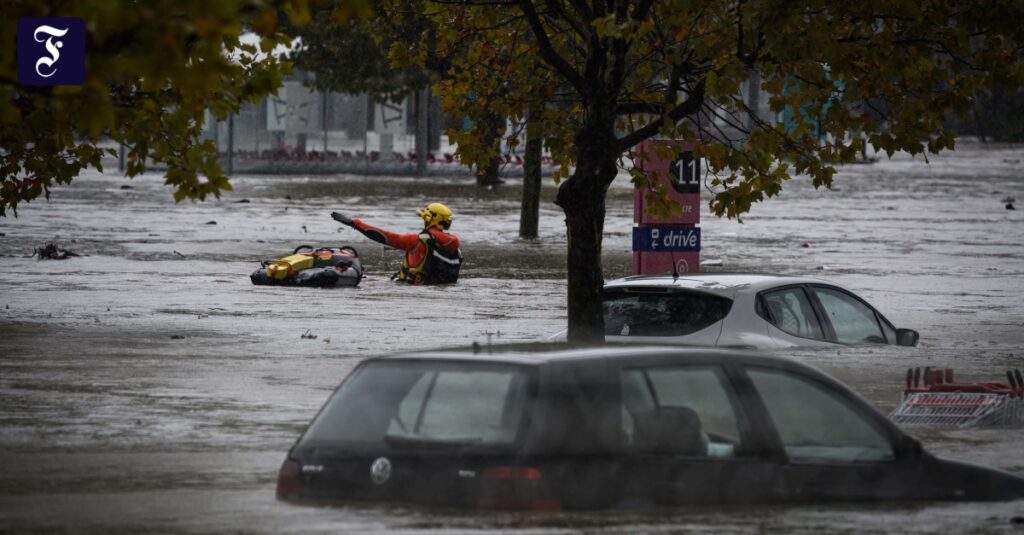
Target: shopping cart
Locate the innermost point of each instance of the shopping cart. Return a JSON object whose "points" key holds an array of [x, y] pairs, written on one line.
{"points": [[933, 398]]}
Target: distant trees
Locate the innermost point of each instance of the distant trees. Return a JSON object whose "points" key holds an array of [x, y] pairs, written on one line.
{"points": [[366, 55], [995, 116], [153, 69], [351, 56]]}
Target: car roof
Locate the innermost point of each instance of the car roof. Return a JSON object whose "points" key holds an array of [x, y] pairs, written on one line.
{"points": [[544, 353], [725, 284]]}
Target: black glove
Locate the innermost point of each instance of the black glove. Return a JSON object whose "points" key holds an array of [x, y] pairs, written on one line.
{"points": [[342, 218]]}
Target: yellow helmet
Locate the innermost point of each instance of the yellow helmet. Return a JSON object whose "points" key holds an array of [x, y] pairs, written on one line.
{"points": [[436, 215]]}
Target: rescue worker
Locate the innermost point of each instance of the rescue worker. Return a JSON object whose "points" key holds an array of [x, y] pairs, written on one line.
{"points": [[432, 256]]}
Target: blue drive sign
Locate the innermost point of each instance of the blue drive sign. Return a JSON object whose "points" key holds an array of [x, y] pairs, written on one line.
{"points": [[667, 239]]}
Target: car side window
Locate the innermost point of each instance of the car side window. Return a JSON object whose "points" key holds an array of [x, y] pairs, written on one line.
{"points": [[654, 312], [853, 321], [489, 406], [815, 424], [790, 310], [679, 411]]}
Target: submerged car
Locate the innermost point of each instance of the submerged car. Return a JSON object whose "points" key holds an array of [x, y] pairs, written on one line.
{"points": [[612, 427], [744, 311]]}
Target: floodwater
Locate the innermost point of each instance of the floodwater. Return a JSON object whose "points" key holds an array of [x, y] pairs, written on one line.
{"points": [[147, 386]]}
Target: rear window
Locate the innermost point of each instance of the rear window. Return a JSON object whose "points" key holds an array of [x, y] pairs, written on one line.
{"points": [[660, 312], [425, 404]]}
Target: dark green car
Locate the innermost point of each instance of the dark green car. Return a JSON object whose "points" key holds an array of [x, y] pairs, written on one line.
{"points": [[612, 427]]}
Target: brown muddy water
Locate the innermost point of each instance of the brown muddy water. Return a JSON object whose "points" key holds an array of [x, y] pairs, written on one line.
{"points": [[147, 387]]}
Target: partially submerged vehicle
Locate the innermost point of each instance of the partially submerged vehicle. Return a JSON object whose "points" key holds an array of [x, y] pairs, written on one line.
{"points": [[742, 311], [611, 427], [322, 267]]}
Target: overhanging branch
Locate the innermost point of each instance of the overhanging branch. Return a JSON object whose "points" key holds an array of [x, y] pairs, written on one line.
{"points": [[548, 53], [690, 106]]}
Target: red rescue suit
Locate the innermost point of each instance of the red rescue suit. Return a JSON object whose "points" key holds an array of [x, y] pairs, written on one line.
{"points": [[431, 257]]}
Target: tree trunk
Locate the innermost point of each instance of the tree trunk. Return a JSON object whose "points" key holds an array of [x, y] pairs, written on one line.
{"points": [[493, 126], [434, 115], [422, 143], [582, 198], [529, 216]]}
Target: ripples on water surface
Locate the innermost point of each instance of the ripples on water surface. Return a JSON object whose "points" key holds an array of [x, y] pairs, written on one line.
{"points": [[149, 387]]}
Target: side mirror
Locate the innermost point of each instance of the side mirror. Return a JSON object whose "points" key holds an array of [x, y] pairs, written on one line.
{"points": [[907, 337]]}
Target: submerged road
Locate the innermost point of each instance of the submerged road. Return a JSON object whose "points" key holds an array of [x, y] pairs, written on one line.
{"points": [[147, 386]]}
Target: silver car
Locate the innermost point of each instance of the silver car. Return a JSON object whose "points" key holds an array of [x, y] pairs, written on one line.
{"points": [[738, 310]]}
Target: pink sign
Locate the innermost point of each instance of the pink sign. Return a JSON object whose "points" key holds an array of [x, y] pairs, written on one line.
{"points": [[650, 263], [680, 173]]}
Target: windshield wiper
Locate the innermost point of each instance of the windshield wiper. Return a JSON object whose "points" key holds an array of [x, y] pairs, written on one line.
{"points": [[405, 441]]}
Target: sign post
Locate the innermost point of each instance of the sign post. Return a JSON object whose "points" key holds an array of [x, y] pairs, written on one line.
{"points": [[661, 243]]}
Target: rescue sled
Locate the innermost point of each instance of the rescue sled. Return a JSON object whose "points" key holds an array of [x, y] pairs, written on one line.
{"points": [[934, 398], [323, 267]]}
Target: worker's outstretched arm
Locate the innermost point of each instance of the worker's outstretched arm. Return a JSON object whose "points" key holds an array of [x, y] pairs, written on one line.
{"points": [[397, 240]]}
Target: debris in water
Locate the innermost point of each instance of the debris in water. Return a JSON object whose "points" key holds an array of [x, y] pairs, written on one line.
{"points": [[51, 251], [304, 228], [288, 197], [327, 340], [242, 201], [943, 401], [179, 254], [309, 336], [805, 244], [1008, 200], [126, 186], [211, 222], [177, 337], [1009, 206], [203, 316]]}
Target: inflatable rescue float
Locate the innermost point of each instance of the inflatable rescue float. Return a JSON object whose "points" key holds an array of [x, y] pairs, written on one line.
{"points": [[322, 267]]}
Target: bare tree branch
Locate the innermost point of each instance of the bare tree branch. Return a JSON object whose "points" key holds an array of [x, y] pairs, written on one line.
{"points": [[548, 53], [691, 105]]}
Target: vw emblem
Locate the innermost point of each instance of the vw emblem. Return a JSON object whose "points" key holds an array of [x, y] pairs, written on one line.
{"points": [[380, 470]]}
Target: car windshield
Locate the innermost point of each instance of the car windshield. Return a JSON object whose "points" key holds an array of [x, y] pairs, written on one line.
{"points": [[660, 311], [425, 404]]}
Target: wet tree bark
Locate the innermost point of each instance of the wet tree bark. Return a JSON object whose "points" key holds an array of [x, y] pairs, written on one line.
{"points": [[529, 216], [492, 129], [582, 198], [422, 141]]}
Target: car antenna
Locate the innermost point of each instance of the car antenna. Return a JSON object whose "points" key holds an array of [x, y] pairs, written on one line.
{"points": [[675, 270]]}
